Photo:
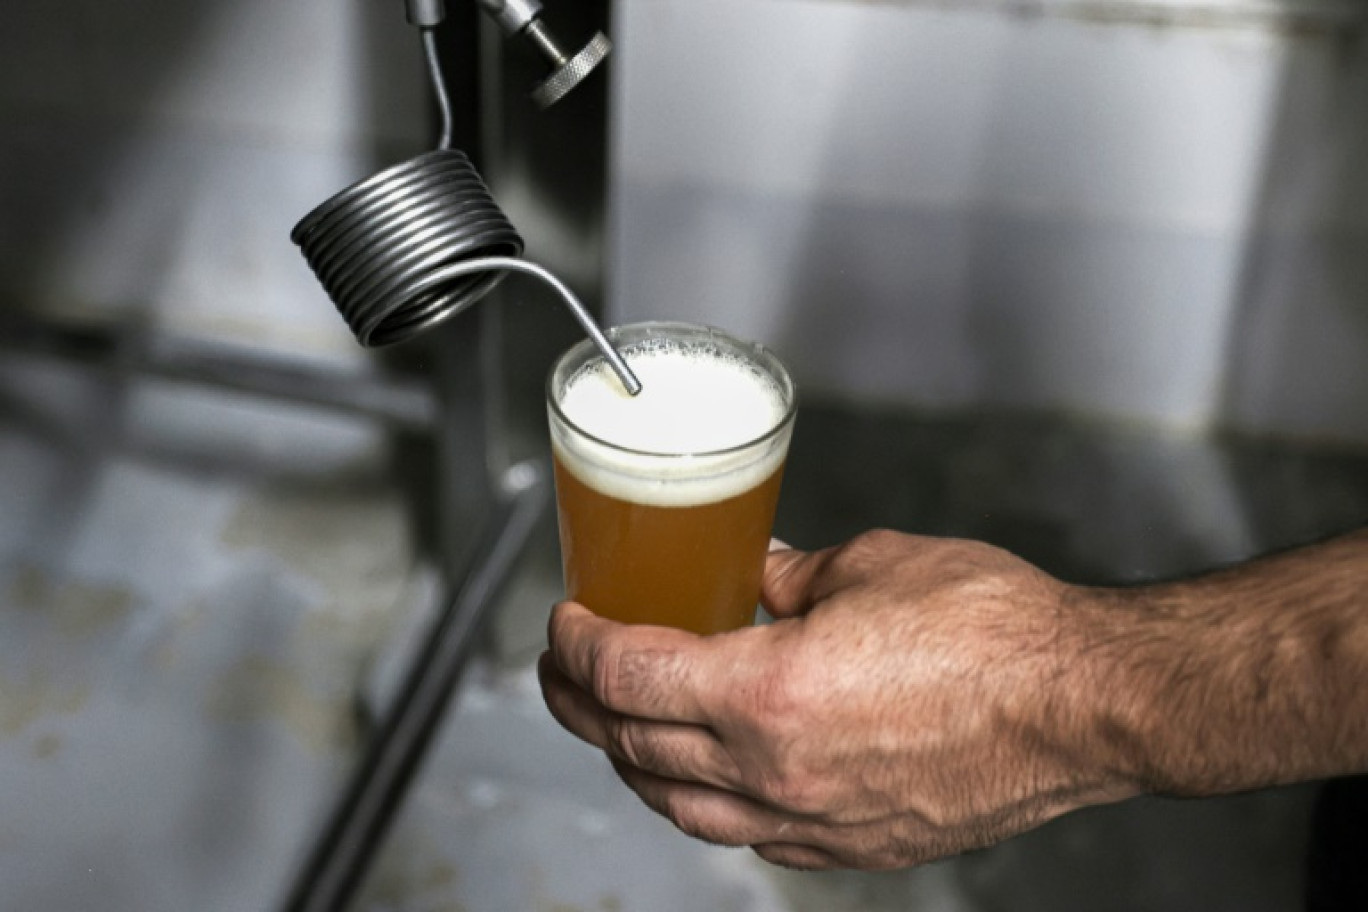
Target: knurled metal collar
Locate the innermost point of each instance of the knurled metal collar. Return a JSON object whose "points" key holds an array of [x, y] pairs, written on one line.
{"points": [[559, 83]]}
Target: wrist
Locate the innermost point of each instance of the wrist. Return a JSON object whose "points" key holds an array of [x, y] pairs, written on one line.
{"points": [[1132, 654]]}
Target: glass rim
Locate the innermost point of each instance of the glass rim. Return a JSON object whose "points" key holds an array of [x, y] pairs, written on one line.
{"points": [[769, 359]]}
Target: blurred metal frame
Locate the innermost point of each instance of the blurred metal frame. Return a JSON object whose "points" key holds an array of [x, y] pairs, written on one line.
{"points": [[478, 403]]}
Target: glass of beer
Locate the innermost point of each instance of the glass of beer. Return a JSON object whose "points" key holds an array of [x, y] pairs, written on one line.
{"points": [[666, 499]]}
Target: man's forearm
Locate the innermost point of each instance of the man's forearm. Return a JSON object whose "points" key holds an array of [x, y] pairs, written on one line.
{"points": [[1244, 678]]}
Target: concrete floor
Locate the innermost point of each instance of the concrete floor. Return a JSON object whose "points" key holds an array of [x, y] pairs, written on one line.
{"points": [[195, 591]]}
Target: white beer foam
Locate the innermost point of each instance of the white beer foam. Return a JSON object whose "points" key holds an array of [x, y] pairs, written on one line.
{"points": [[696, 405]]}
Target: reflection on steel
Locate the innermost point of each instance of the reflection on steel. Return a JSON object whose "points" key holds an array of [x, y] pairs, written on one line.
{"points": [[342, 855], [409, 405]]}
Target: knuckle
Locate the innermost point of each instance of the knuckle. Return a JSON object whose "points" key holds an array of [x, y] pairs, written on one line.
{"points": [[774, 697], [866, 551], [876, 542], [768, 708], [702, 819], [786, 791], [775, 711], [629, 674], [903, 851], [624, 740], [793, 857], [686, 815], [635, 742], [555, 624], [799, 792], [605, 660]]}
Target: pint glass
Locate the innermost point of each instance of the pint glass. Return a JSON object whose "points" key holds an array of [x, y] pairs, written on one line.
{"points": [[666, 500]]}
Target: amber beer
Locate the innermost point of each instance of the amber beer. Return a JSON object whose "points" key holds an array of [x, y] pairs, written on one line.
{"points": [[666, 501]]}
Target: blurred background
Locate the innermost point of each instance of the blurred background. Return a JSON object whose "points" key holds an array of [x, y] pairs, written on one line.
{"points": [[1083, 278]]}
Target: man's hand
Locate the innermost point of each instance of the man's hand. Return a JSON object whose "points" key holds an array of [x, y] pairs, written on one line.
{"points": [[915, 698]]}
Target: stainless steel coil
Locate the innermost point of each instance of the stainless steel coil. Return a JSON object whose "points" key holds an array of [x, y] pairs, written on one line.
{"points": [[380, 247], [416, 244]]}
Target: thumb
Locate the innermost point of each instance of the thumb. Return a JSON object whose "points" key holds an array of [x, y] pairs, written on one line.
{"points": [[786, 590]]}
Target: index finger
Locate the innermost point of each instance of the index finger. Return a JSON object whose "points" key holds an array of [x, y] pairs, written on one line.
{"points": [[649, 672]]}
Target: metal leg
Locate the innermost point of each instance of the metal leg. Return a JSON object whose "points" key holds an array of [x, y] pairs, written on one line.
{"points": [[361, 818]]}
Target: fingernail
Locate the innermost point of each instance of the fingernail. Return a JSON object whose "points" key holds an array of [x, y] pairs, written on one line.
{"points": [[779, 545]]}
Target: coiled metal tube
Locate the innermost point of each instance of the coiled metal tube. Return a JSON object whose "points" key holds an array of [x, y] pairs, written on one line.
{"points": [[405, 249], [376, 245]]}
